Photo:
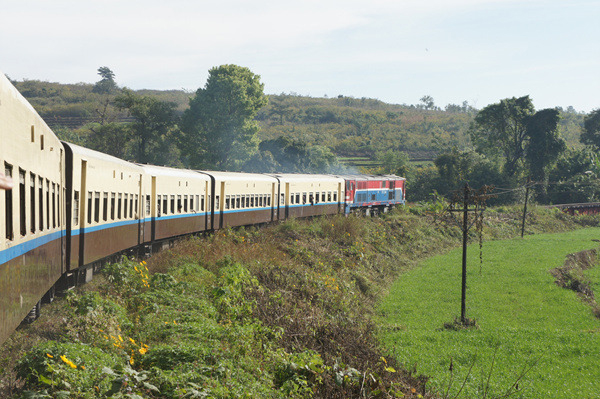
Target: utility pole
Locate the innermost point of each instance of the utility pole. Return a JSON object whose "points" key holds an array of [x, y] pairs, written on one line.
{"points": [[475, 201], [525, 207]]}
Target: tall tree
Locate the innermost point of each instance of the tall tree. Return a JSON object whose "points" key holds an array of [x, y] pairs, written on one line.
{"points": [[153, 127], [107, 84], [543, 148], [502, 128], [591, 129], [219, 127]]}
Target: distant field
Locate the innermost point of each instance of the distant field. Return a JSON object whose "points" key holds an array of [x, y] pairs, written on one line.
{"points": [[519, 310]]}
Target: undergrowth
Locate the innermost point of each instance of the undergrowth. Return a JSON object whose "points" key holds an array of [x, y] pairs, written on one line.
{"points": [[280, 312]]}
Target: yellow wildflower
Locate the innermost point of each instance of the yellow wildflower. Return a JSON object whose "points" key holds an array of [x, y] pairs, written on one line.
{"points": [[70, 363], [50, 356], [132, 341], [142, 351]]}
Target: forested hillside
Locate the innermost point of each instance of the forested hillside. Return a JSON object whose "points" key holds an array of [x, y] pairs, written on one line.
{"points": [[230, 124]]}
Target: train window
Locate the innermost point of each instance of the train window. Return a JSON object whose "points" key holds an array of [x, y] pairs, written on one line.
{"points": [[179, 204], [185, 203], [227, 201], [323, 196], [53, 205], [269, 200], [158, 203], [22, 206], [131, 205], [126, 198], [260, 201], [47, 204], [311, 198], [192, 209], [112, 206], [8, 206], [282, 200], [89, 207], [303, 198], [317, 196], [297, 198], [251, 201], [76, 208], [147, 205], [197, 203], [172, 204], [105, 206], [246, 202], [165, 204], [328, 196], [237, 201], [96, 207], [373, 197], [32, 203], [41, 203], [292, 198], [119, 205], [217, 202], [384, 184], [136, 208], [202, 203], [335, 196]]}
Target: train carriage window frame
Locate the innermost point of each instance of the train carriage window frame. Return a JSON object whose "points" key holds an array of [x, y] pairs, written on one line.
{"points": [[323, 196], [202, 203], [105, 206], [125, 203], [97, 207], [297, 198], [119, 205], [304, 198], [172, 204], [317, 197], [54, 205], [217, 202], [192, 209], [76, 207], [32, 225], [8, 207], [227, 202], [282, 199], [237, 201], [47, 204], [179, 204], [165, 200], [130, 206], [137, 205], [40, 203], [158, 206], [335, 196], [113, 205], [89, 207], [185, 203], [22, 204]]}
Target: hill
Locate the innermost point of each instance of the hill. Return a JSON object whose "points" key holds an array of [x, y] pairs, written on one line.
{"points": [[350, 127]]}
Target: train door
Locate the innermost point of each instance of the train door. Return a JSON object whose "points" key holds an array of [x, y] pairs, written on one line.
{"points": [[82, 212], [392, 190], [153, 217]]}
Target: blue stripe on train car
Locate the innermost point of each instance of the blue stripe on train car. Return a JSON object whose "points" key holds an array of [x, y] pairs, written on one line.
{"points": [[22, 248]]}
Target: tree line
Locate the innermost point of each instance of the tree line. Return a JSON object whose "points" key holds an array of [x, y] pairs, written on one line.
{"points": [[512, 145]]}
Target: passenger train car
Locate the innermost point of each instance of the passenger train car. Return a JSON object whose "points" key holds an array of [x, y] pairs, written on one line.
{"points": [[73, 208]]}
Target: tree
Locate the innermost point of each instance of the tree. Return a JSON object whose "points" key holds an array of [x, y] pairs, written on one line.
{"points": [[543, 148], [502, 128], [107, 84], [428, 102], [153, 129], [219, 127], [591, 129]]}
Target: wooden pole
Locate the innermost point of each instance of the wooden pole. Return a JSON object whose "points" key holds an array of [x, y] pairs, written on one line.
{"points": [[465, 229], [525, 208]]}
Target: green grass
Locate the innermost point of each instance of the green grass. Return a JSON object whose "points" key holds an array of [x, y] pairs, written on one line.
{"points": [[521, 313]]}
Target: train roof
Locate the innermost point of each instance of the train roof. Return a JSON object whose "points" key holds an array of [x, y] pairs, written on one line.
{"points": [[87, 153], [371, 177], [154, 170], [238, 176], [298, 177]]}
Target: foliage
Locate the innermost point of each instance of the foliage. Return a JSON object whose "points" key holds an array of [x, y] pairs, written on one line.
{"points": [[107, 84], [591, 132], [219, 126], [153, 129]]}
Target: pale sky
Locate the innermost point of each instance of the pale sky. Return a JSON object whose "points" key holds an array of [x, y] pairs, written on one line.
{"points": [[397, 51]]}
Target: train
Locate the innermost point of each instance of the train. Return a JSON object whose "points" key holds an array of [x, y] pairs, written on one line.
{"points": [[72, 208]]}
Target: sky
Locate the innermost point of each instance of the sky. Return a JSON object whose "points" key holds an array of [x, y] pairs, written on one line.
{"points": [[479, 51]]}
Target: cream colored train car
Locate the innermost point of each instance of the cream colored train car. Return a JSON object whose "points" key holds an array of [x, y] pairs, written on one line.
{"points": [[242, 199], [177, 202], [310, 195], [31, 221], [103, 206]]}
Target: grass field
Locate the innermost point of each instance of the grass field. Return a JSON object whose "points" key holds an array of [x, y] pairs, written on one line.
{"points": [[524, 319]]}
